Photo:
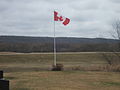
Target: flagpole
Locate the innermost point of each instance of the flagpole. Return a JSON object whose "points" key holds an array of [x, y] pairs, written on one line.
{"points": [[54, 45]]}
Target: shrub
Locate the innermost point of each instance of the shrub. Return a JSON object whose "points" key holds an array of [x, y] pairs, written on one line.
{"points": [[58, 67]]}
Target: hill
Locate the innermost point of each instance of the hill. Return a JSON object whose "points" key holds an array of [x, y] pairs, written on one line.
{"points": [[64, 44]]}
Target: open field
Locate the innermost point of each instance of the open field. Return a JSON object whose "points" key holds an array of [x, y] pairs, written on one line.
{"points": [[65, 80], [43, 61], [32, 72]]}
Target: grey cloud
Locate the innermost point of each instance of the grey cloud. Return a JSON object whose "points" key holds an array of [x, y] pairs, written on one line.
{"points": [[89, 18], [115, 1], [85, 5]]}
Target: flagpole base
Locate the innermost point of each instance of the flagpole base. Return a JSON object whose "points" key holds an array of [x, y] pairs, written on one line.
{"points": [[58, 67]]}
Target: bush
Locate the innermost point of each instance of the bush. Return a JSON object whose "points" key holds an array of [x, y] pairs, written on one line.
{"points": [[107, 68], [58, 67]]}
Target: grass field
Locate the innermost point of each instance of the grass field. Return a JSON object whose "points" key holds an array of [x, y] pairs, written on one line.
{"points": [[32, 72]]}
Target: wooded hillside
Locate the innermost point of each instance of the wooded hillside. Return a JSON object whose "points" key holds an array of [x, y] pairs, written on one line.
{"points": [[64, 44]]}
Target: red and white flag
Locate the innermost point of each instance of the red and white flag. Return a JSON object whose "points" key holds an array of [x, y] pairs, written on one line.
{"points": [[58, 17]]}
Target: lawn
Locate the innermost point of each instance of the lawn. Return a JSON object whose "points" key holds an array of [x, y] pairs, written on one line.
{"points": [[32, 72], [64, 80]]}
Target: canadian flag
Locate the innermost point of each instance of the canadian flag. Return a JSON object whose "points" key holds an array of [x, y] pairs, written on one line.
{"points": [[58, 17]]}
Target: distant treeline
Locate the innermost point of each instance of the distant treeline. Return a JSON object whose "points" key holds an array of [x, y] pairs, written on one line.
{"points": [[45, 44]]}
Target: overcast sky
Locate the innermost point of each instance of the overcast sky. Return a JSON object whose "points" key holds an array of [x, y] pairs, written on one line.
{"points": [[89, 18]]}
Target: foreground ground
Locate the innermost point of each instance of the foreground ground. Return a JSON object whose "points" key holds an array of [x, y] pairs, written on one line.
{"points": [[66, 80], [32, 72]]}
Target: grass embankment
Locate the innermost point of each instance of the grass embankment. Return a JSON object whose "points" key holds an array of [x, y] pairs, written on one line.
{"points": [[30, 62]]}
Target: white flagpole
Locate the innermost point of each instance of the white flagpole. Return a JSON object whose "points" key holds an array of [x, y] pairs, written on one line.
{"points": [[54, 45]]}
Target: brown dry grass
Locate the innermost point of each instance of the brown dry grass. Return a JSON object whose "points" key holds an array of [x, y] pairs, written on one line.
{"points": [[108, 68], [65, 80], [30, 72]]}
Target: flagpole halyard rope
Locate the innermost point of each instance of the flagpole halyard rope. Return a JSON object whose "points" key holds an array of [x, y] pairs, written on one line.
{"points": [[54, 45]]}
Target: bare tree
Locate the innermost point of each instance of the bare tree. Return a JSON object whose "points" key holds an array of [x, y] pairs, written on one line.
{"points": [[114, 56], [116, 35], [116, 28]]}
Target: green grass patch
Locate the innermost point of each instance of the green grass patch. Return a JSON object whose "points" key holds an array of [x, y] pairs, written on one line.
{"points": [[20, 89], [10, 78], [111, 83]]}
